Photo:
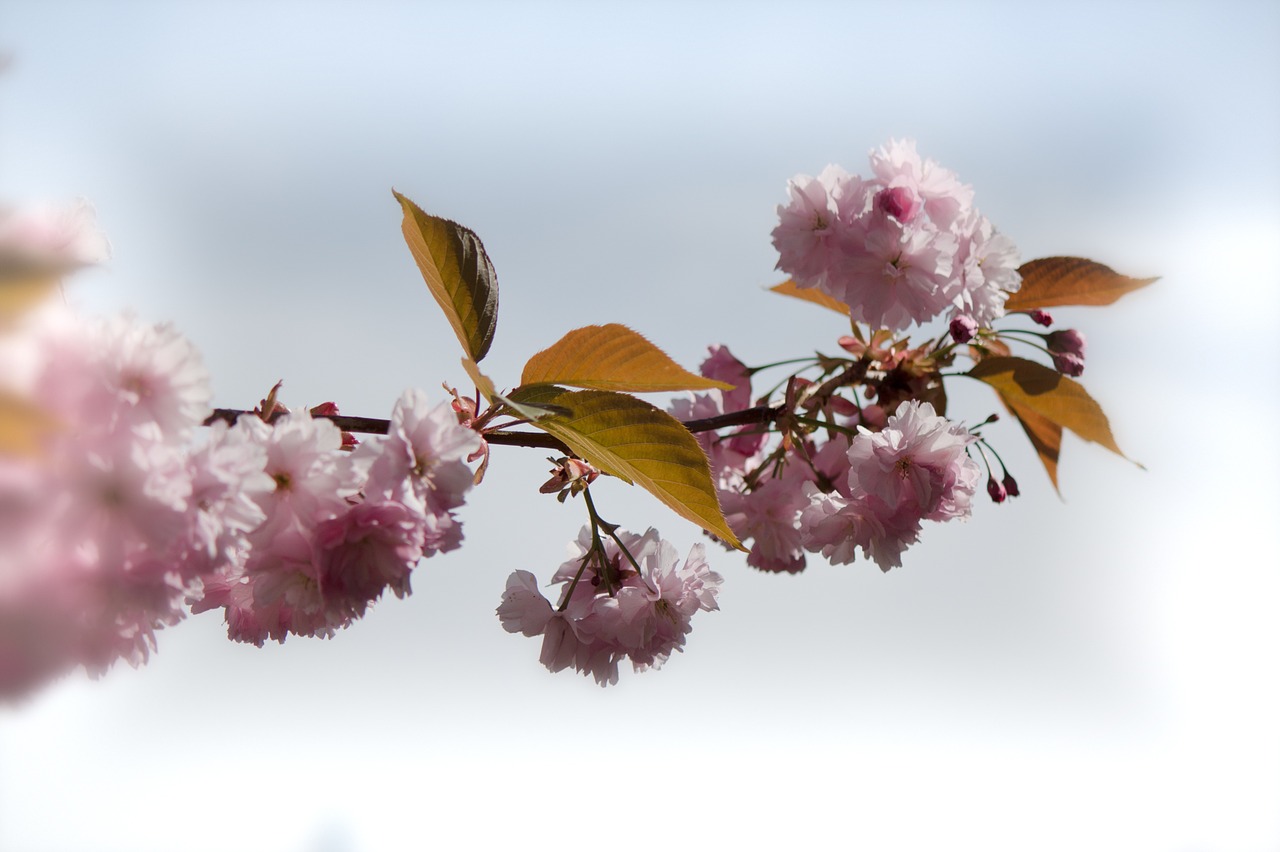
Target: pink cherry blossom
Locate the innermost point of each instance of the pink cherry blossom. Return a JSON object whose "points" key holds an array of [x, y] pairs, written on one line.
{"points": [[903, 247], [807, 236], [898, 165], [371, 547], [612, 608], [894, 275], [523, 608], [917, 460], [988, 263], [768, 517], [422, 461]]}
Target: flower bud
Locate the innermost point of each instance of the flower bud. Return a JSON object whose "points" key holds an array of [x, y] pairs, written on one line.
{"points": [[1041, 318], [852, 345], [963, 328], [1067, 347], [996, 490], [1010, 484], [899, 202]]}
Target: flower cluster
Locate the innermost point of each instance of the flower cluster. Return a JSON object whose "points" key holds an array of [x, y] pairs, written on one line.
{"points": [[340, 528], [116, 511], [901, 247], [625, 598], [869, 485]]}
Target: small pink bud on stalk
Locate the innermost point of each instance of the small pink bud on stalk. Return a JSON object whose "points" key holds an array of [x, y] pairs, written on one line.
{"points": [[963, 328], [1041, 318], [1067, 348], [996, 490], [1010, 484]]}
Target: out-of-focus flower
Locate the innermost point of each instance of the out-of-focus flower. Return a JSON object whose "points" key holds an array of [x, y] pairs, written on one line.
{"points": [[50, 239], [114, 521]]}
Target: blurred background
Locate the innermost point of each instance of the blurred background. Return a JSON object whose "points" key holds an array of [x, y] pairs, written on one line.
{"points": [[1098, 671]]}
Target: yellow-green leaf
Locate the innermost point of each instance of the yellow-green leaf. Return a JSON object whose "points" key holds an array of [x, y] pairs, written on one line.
{"points": [[1046, 392], [458, 272], [811, 294], [1045, 435], [639, 444], [611, 357], [1054, 281]]}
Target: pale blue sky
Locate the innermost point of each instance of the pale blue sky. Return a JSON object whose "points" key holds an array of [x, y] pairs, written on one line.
{"points": [[1095, 673]]}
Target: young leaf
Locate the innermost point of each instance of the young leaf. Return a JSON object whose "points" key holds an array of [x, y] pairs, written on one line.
{"points": [[810, 294], [1054, 281], [458, 272], [1045, 435], [611, 357], [639, 444], [529, 411], [1046, 392]]}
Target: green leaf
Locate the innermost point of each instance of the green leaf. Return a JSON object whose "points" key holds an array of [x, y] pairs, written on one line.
{"points": [[1046, 392], [1054, 281], [611, 357], [811, 294], [639, 444], [458, 272]]}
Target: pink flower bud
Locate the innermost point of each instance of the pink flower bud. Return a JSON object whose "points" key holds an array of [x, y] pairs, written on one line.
{"points": [[852, 345], [1042, 318], [1010, 484], [325, 409], [1067, 347], [1068, 341], [963, 328], [1068, 365], [900, 203], [996, 490]]}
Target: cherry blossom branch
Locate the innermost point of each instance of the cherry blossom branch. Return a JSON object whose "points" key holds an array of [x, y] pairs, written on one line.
{"points": [[760, 414]]}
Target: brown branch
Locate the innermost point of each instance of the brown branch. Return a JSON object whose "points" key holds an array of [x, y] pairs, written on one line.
{"points": [[374, 426]]}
